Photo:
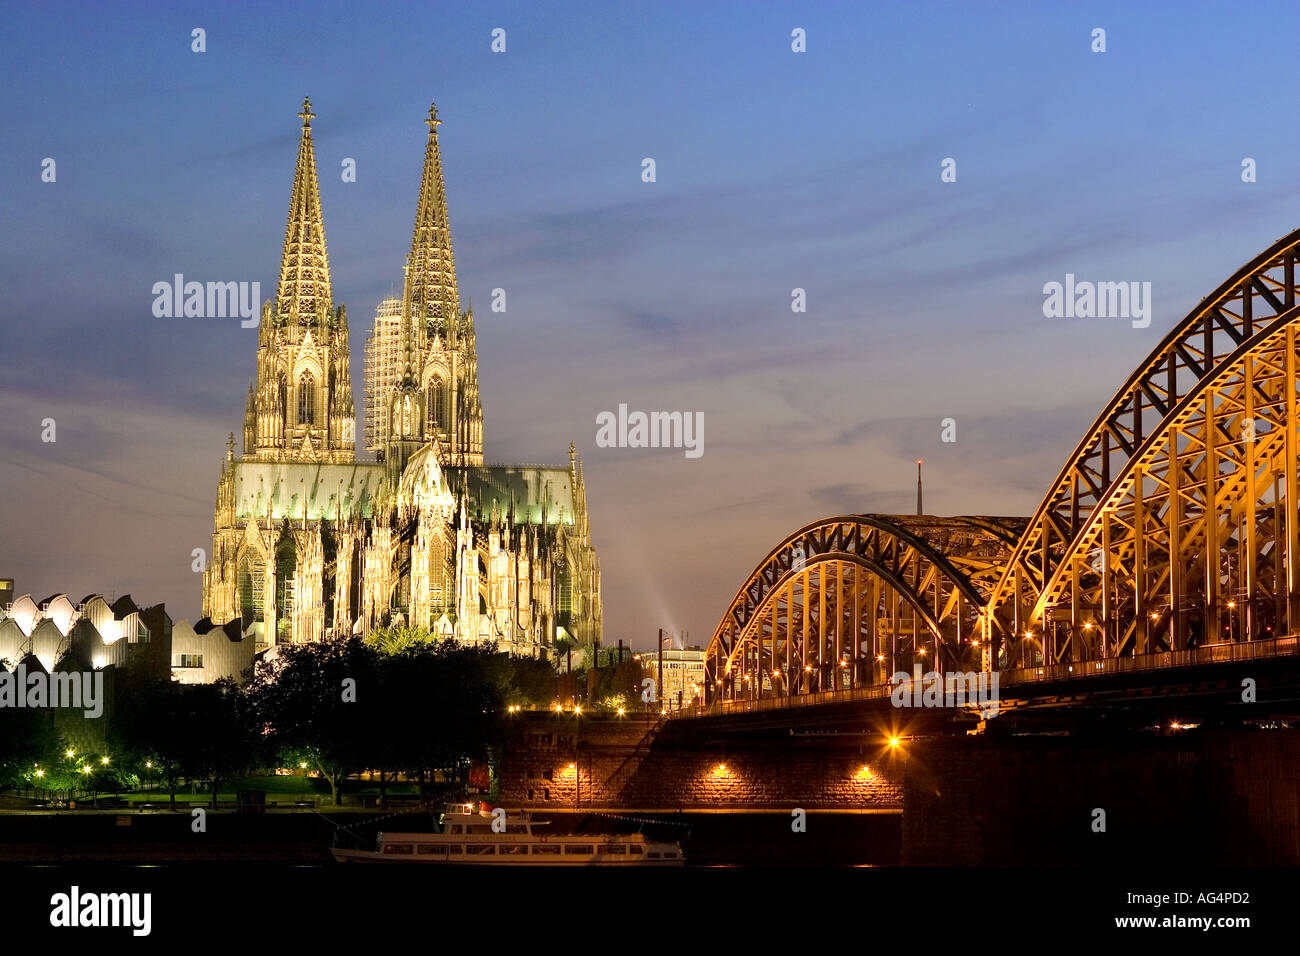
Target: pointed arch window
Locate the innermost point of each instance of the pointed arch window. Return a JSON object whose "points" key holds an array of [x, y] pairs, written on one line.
{"points": [[250, 582], [437, 404], [306, 400]]}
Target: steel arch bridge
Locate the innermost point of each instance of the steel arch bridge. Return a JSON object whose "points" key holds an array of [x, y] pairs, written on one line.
{"points": [[1174, 526]]}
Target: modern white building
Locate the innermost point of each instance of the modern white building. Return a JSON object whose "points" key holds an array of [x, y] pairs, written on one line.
{"points": [[206, 653], [95, 632]]}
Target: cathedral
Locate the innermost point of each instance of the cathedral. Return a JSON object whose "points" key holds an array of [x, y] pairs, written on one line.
{"points": [[312, 543]]}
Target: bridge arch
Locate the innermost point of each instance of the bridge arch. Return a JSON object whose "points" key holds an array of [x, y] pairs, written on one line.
{"points": [[1195, 540], [849, 599], [1204, 345]]}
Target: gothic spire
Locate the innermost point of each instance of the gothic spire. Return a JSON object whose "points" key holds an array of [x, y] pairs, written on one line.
{"points": [[431, 282], [407, 380], [304, 293]]}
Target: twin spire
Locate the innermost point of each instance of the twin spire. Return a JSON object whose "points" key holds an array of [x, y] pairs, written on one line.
{"points": [[430, 302], [304, 292], [430, 297], [431, 279]]}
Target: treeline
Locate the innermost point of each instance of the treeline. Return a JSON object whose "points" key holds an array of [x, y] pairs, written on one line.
{"points": [[400, 703]]}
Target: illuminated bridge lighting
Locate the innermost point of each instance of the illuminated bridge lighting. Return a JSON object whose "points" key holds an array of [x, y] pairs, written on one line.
{"points": [[1106, 568]]}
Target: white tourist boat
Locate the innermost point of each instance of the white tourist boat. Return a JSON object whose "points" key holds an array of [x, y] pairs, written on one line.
{"points": [[467, 839]]}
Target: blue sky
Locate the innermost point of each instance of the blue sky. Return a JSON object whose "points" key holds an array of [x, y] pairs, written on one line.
{"points": [[775, 170]]}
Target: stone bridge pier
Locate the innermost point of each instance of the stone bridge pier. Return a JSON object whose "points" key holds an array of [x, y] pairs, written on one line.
{"points": [[563, 762]]}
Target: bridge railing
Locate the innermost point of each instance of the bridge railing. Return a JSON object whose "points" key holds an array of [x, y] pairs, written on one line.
{"points": [[873, 692], [1209, 654]]}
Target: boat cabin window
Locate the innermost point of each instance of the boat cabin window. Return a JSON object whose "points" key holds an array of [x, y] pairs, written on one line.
{"points": [[515, 849], [455, 849], [480, 849], [613, 848], [546, 849], [636, 850], [398, 848], [578, 849], [431, 849]]}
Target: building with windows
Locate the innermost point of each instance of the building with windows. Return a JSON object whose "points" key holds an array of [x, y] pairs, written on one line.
{"points": [[683, 674], [88, 634], [311, 543], [210, 653]]}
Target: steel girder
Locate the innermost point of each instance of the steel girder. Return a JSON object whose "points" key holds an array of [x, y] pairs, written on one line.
{"points": [[1175, 522], [1195, 540], [848, 600], [1201, 346]]}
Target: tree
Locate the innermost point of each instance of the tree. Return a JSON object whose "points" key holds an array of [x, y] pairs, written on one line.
{"points": [[152, 725], [199, 731], [616, 684], [321, 701], [28, 741], [401, 639], [230, 741]]}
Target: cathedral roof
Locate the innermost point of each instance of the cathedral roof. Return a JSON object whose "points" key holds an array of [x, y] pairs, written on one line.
{"points": [[347, 490], [526, 487]]}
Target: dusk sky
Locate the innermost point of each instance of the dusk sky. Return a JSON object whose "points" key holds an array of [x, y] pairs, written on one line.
{"points": [[775, 170]]}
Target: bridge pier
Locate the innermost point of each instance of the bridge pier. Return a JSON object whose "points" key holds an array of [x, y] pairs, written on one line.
{"points": [[1214, 798]]}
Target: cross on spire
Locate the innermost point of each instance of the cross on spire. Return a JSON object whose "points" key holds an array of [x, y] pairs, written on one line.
{"points": [[433, 122], [306, 115]]}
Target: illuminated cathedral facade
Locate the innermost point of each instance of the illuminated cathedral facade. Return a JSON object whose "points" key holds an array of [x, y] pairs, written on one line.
{"points": [[311, 544]]}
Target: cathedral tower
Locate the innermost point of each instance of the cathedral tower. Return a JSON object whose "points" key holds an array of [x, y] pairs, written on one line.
{"points": [[443, 359], [300, 406], [310, 544]]}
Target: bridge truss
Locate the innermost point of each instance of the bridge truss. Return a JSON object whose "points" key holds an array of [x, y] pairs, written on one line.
{"points": [[1174, 524], [846, 601]]}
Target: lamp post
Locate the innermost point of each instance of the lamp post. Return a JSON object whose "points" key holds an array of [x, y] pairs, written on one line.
{"points": [[72, 766], [660, 689]]}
